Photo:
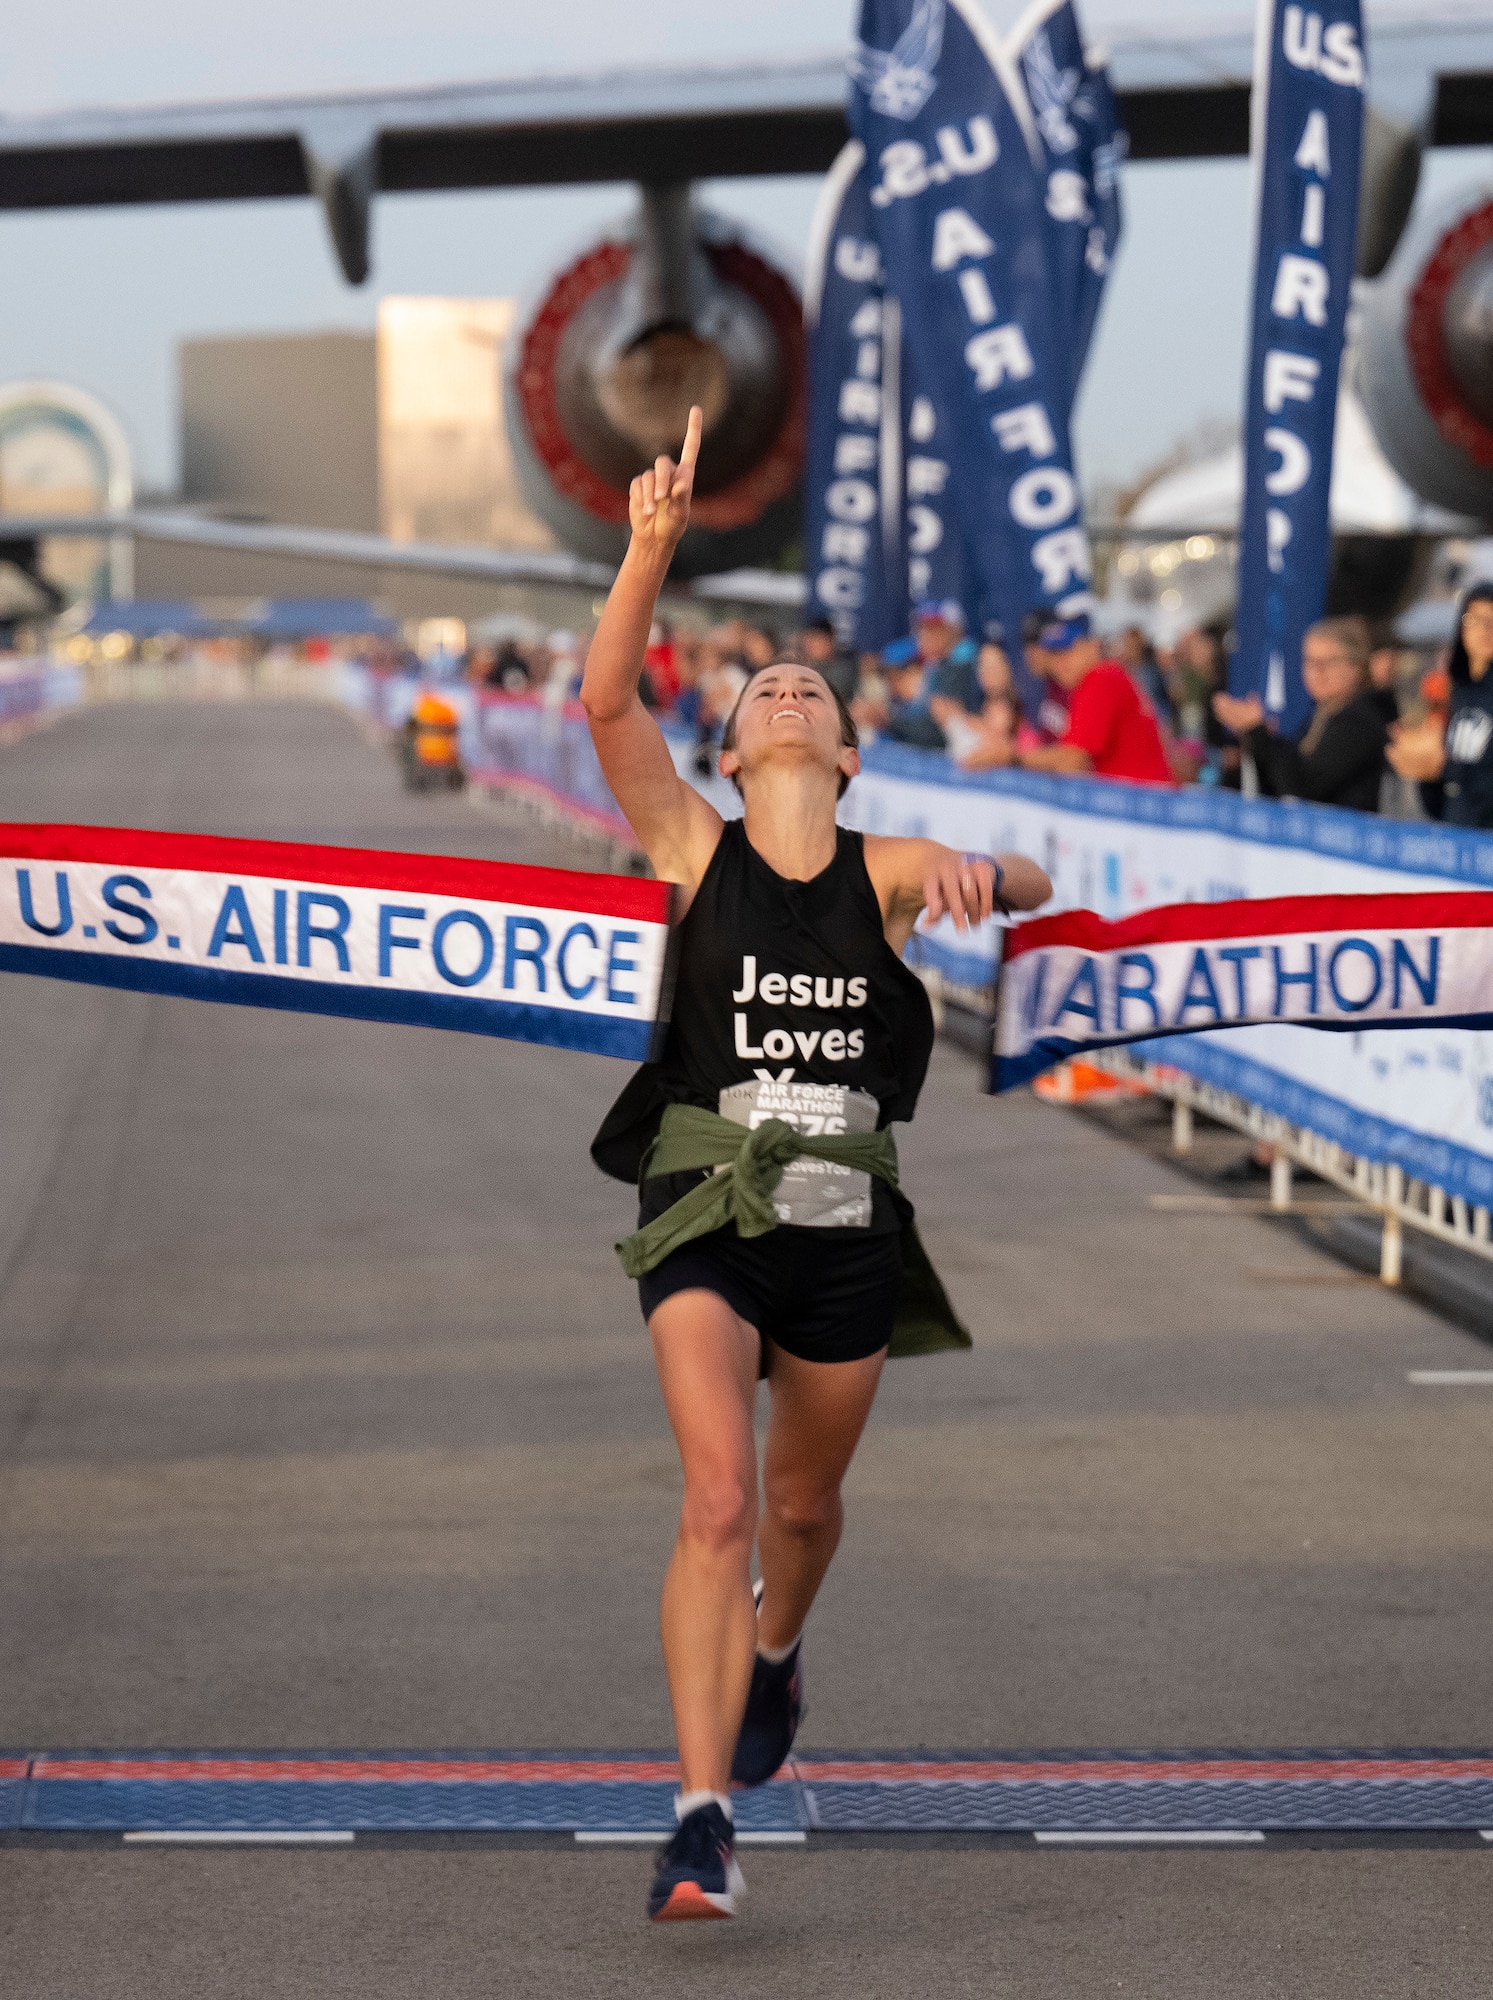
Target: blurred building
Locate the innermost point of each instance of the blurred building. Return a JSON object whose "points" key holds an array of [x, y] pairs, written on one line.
{"points": [[399, 432], [282, 427], [63, 452], [445, 470]]}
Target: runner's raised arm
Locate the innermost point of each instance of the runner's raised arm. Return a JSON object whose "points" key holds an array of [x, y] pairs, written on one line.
{"points": [[677, 828]]}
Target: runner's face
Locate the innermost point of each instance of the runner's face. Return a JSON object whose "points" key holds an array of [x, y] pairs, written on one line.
{"points": [[787, 714]]}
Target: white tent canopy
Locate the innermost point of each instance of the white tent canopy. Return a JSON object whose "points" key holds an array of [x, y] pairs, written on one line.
{"points": [[1368, 496]]}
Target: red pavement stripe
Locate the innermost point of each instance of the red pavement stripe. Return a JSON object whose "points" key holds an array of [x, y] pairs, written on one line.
{"points": [[1220, 1771], [304, 1770], [14, 1767]]}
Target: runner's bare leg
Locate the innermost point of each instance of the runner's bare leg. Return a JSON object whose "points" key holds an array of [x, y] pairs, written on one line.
{"points": [[819, 1409], [707, 1366]]}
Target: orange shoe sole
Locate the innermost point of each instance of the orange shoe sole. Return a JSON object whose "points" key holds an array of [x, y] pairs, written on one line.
{"points": [[689, 1903]]}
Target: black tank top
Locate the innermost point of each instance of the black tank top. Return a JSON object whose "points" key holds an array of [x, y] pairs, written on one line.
{"points": [[788, 980]]}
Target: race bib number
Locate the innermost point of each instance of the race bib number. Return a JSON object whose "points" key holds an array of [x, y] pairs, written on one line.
{"points": [[813, 1194]]}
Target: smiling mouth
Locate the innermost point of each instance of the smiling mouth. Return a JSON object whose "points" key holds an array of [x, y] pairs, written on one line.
{"points": [[797, 714]]}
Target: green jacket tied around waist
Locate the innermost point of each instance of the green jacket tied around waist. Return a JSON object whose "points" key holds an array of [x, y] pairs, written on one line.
{"points": [[753, 1162]]}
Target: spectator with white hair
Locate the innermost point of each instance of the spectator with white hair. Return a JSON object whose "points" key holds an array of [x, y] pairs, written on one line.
{"points": [[1338, 758]]}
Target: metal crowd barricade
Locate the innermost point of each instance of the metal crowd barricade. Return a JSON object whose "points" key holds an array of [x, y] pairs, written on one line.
{"points": [[1380, 1186]]}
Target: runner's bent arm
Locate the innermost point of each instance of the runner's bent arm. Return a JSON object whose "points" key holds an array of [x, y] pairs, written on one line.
{"points": [[914, 876], [677, 828]]}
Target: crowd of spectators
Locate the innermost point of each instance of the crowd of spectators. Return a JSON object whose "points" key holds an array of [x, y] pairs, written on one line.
{"points": [[1384, 734]]}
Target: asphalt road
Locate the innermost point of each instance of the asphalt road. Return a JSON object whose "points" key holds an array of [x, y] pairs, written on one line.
{"points": [[327, 1420]]}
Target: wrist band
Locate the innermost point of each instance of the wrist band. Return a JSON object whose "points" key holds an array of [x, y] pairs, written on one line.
{"points": [[1000, 875]]}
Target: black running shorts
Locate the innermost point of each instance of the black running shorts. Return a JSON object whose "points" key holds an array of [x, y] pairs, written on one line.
{"points": [[821, 1294]]}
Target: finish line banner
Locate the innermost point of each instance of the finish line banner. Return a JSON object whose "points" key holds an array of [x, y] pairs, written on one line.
{"points": [[1074, 983], [533, 954]]}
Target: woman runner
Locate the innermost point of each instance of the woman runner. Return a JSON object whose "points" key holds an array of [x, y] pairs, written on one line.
{"points": [[797, 1036]]}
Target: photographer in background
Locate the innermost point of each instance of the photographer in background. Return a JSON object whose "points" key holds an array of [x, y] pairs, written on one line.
{"points": [[1453, 761]]}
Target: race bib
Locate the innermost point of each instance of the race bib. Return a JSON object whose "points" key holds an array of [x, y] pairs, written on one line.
{"points": [[813, 1194]]}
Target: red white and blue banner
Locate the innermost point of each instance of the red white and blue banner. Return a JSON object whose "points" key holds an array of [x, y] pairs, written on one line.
{"points": [[1074, 983], [532, 954], [1307, 131]]}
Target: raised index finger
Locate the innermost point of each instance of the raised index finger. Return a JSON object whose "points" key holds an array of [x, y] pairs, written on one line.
{"points": [[691, 449]]}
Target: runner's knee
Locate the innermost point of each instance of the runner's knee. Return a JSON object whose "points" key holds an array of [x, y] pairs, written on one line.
{"points": [[804, 1511], [720, 1511]]}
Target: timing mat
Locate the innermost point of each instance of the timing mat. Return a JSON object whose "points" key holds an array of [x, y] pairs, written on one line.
{"points": [[1049, 1794]]}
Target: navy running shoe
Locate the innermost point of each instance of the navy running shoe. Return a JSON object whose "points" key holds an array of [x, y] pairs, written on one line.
{"points": [[775, 1708], [697, 1875]]}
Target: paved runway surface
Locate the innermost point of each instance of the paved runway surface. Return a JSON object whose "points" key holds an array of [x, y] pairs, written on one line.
{"points": [[327, 1420]]}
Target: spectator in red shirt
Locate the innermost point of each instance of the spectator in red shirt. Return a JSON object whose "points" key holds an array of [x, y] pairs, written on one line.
{"points": [[662, 666], [1112, 731]]}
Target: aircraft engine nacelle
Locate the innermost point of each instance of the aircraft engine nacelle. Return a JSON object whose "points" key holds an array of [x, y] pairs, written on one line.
{"points": [[675, 307], [1426, 355]]}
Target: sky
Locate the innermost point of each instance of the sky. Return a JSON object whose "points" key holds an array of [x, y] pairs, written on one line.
{"points": [[153, 51], [101, 298]]}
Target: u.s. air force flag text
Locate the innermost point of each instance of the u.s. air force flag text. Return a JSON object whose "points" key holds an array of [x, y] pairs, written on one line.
{"points": [[1077, 120], [853, 539], [1073, 983], [957, 194], [937, 565], [534, 954], [1307, 128], [872, 437]]}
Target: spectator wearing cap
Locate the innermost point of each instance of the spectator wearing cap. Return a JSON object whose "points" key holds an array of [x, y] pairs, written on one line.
{"points": [[820, 648], [903, 716], [1048, 713], [1112, 730], [948, 657]]}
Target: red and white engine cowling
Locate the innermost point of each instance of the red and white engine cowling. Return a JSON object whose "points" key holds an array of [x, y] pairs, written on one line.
{"points": [[674, 307], [1425, 355]]}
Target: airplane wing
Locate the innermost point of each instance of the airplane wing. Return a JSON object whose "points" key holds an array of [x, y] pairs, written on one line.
{"points": [[314, 545], [528, 132], [21, 535], [1183, 94]]}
